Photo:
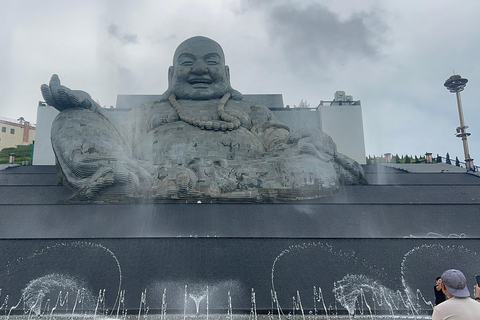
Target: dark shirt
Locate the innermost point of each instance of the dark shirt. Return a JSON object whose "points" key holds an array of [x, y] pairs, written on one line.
{"points": [[439, 296]]}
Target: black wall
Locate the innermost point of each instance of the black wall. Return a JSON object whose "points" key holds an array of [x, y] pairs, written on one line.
{"points": [[400, 272]]}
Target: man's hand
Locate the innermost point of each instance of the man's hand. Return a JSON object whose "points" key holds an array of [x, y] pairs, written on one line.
{"points": [[61, 97]]}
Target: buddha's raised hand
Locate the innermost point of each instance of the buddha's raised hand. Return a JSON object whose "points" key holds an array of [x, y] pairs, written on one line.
{"points": [[62, 98]]}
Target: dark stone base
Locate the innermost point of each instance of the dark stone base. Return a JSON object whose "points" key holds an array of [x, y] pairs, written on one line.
{"points": [[369, 249], [156, 274]]}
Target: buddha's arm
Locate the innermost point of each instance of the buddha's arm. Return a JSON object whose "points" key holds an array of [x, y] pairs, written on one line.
{"points": [[266, 126], [62, 98], [271, 134]]}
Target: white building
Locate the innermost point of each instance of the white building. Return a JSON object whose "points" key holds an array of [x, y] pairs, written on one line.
{"points": [[340, 118]]}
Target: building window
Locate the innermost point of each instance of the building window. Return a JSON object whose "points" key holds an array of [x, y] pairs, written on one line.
{"points": [[12, 131], [4, 129]]}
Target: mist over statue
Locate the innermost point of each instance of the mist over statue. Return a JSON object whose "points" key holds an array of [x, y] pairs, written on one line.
{"points": [[200, 140]]}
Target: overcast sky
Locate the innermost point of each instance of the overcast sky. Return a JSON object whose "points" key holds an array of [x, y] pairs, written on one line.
{"points": [[392, 55]]}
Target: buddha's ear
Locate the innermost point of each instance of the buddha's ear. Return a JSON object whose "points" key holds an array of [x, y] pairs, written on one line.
{"points": [[227, 72], [236, 95], [170, 77], [164, 96]]}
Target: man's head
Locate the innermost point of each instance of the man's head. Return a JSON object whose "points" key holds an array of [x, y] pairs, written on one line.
{"points": [[199, 71], [438, 280], [455, 283]]}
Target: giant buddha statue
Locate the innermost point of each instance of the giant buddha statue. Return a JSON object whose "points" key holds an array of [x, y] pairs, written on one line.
{"points": [[200, 141]]}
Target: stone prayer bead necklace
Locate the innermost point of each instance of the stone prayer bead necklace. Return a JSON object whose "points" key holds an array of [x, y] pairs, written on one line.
{"points": [[228, 122]]}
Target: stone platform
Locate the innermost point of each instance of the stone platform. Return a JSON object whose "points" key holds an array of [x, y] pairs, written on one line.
{"points": [[224, 317], [373, 249]]}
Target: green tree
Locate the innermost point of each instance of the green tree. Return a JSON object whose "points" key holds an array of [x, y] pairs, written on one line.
{"points": [[447, 159], [439, 159], [22, 153], [396, 159], [407, 159], [416, 160], [457, 162], [302, 104], [371, 160]]}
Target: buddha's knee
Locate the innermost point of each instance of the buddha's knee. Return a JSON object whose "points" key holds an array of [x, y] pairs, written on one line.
{"points": [[85, 138]]}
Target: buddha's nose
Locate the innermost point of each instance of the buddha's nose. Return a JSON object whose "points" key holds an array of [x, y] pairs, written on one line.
{"points": [[199, 69]]}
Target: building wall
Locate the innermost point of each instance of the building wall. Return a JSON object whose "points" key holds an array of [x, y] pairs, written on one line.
{"points": [[345, 125], [13, 134], [43, 152], [299, 118]]}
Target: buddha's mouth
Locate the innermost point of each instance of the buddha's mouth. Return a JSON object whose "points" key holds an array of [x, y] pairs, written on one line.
{"points": [[200, 85], [200, 81]]}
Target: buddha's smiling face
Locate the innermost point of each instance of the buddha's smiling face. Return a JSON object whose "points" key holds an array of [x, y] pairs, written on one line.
{"points": [[199, 71]]}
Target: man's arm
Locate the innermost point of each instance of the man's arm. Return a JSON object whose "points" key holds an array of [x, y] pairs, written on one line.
{"points": [[477, 293]]}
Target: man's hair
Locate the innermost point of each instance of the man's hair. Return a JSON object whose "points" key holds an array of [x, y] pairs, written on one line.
{"points": [[438, 278]]}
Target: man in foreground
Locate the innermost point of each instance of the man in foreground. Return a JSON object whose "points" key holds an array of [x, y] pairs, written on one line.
{"points": [[460, 306]]}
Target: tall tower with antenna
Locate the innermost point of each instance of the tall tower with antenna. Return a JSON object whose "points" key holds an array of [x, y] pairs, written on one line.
{"points": [[455, 84]]}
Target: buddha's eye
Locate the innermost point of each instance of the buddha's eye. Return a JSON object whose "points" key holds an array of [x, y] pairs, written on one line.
{"points": [[212, 62], [186, 63], [185, 60]]}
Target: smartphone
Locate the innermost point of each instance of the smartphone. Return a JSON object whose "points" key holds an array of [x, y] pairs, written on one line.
{"points": [[478, 279]]}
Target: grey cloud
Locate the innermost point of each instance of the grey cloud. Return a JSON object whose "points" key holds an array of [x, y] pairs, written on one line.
{"points": [[125, 38], [126, 77], [313, 34]]}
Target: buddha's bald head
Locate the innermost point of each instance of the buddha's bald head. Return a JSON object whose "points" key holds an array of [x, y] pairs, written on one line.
{"points": [[199, 71], [198, 45]]}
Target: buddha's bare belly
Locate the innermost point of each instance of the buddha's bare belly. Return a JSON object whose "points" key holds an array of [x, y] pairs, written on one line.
{"points": [[179, 143]]}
